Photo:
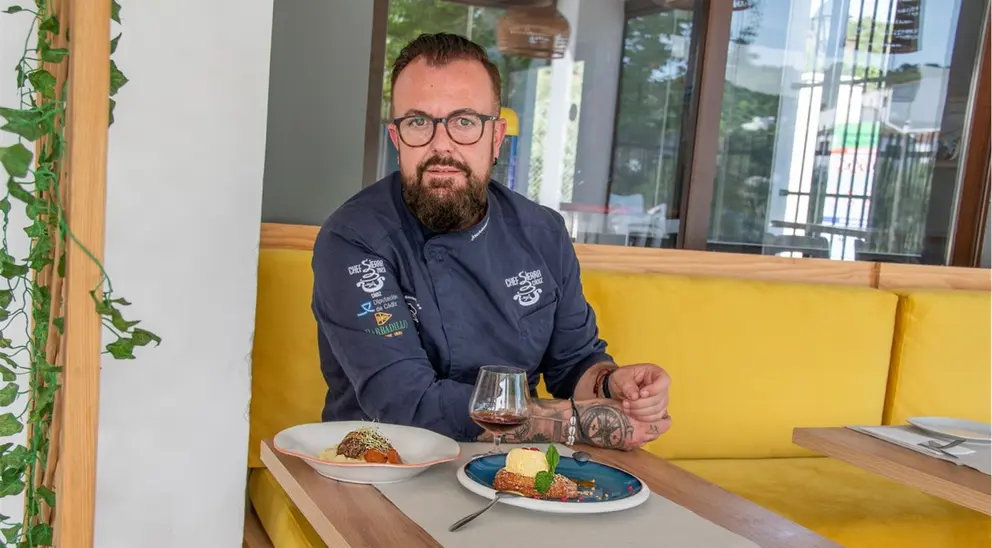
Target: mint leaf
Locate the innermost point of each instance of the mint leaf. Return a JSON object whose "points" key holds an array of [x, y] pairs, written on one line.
{"points": [[543, 481], [553, 458]]}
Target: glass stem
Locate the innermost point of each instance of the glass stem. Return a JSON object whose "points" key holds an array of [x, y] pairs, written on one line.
{"points": [[496, 439]]}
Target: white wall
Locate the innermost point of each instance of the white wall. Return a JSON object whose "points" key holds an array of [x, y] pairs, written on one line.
{"points": [[183, 209]]}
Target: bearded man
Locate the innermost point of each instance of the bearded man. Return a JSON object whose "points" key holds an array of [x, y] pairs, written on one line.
{"points": [[436, 270]]}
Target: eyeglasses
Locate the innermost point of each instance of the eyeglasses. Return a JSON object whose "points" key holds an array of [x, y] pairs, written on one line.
{"points": [[465, 128]]}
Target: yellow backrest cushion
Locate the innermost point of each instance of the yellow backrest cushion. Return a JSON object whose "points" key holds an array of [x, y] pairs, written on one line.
{"points": [[286, 386], [941, 359], [749, 360]]}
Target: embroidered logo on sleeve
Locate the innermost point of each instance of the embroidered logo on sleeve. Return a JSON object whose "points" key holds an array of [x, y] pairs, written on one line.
{"points": [[526, 282], [372, 279]]}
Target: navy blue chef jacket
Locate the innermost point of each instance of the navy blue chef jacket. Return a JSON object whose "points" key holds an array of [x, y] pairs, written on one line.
{"points": [[406, 317]]}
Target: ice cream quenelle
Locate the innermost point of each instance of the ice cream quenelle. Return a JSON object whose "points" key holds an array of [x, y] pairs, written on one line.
{"points": [[531, 472], [526, 462]]}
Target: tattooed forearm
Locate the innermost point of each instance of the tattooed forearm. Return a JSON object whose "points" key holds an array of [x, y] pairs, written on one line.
{"points": [[548, 424], [606, 426]]}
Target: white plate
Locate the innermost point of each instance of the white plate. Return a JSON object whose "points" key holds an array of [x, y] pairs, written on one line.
{"points": [[954, 428], [418, 448], [555, 506]]}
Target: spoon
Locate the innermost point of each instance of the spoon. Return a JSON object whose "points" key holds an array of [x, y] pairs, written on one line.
{"points": [[462, 522], [581, 457]]}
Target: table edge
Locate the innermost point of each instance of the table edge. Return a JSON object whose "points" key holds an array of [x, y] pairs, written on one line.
{"points": [[948, 488]]}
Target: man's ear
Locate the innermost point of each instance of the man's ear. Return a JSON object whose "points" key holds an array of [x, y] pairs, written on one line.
{"points": [[394, 136], [499, 132]]}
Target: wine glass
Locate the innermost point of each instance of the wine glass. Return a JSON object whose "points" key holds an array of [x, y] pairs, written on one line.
{"points": [[500, 401]]}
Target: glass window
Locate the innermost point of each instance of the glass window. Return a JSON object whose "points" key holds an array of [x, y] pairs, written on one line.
{"points": [[600, 129], [841, 127]]}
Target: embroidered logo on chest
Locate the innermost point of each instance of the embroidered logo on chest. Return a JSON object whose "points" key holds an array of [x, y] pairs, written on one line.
{"points": [[526, 284]]}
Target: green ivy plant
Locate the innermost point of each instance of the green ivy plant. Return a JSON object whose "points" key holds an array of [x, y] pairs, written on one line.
{"points": [[29, 285]]}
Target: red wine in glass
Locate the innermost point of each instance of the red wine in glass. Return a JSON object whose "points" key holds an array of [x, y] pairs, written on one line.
{"points": [[498, 423], [500, 401]]}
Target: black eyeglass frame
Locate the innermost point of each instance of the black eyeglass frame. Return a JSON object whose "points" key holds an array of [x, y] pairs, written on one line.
{"points": [[443, 120]]}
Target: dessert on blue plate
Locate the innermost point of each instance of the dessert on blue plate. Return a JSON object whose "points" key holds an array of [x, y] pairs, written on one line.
{"points": [[531, 473]]}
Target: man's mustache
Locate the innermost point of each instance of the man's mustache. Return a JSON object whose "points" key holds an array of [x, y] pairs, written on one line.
{"points": [[441, 161]]}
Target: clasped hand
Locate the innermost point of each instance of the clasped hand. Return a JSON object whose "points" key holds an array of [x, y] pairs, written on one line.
{"points": [[643, 391]]}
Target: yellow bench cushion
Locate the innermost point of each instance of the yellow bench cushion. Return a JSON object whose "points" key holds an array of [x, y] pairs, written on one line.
{"points": [[848, 505], [941, 357], [749, 360], [281, 519], [287, 387]]}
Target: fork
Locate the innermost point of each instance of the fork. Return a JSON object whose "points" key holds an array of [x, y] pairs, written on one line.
{"points": [[942, 449]]}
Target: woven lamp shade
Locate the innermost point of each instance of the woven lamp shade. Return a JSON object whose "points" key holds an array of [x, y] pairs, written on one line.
{"points": [[533, 31]]}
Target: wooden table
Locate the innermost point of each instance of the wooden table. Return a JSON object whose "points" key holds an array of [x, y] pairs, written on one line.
{"points": [[351, 516], [959, 484]]}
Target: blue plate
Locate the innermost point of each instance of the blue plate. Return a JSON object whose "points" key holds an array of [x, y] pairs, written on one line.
{"points": [[613, 489]]}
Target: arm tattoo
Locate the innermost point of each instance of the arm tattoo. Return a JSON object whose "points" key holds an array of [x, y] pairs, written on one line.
{"points": [[606, 426], [548, 424]]}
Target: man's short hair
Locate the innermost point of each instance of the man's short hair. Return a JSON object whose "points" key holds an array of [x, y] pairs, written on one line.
{"points": [[442, 48]]}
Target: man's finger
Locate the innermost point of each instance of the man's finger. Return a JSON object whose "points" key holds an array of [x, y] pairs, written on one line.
{"points": [[627, 388], [643, 413], [645, 403], [658, 385]]}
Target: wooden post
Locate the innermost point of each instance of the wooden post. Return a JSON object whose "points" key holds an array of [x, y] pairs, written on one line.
{"points": [[88, 115]]}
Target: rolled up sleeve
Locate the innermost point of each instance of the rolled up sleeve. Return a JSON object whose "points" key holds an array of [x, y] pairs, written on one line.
{"points": [[363, 314], [575, 343]]}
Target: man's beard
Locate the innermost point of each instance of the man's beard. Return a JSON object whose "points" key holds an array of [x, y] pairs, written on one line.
{"points": [[454, 210]]}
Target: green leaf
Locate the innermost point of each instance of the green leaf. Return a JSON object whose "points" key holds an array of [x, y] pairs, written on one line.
{"points": [[36, 230], [6, 297], [9, 425], [113, 104], [13, 270], [121, 349], [5, 205], [21, 77], [11, 533], [46, 495], [8, 394], [543, 481], [4, 518], [119, 322], [54, 55], [41, 534], [121, 301], [117, 78], [115, 11], [113, 44], [142, 337], [29, 124], [553, 458], [16, 159], [14, 9], [6, 374], [59, 324], [18, 192], [43, 82], [51, 25]]}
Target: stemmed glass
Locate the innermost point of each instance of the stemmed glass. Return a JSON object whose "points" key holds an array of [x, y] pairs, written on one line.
{"points": [[500, 401]]}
